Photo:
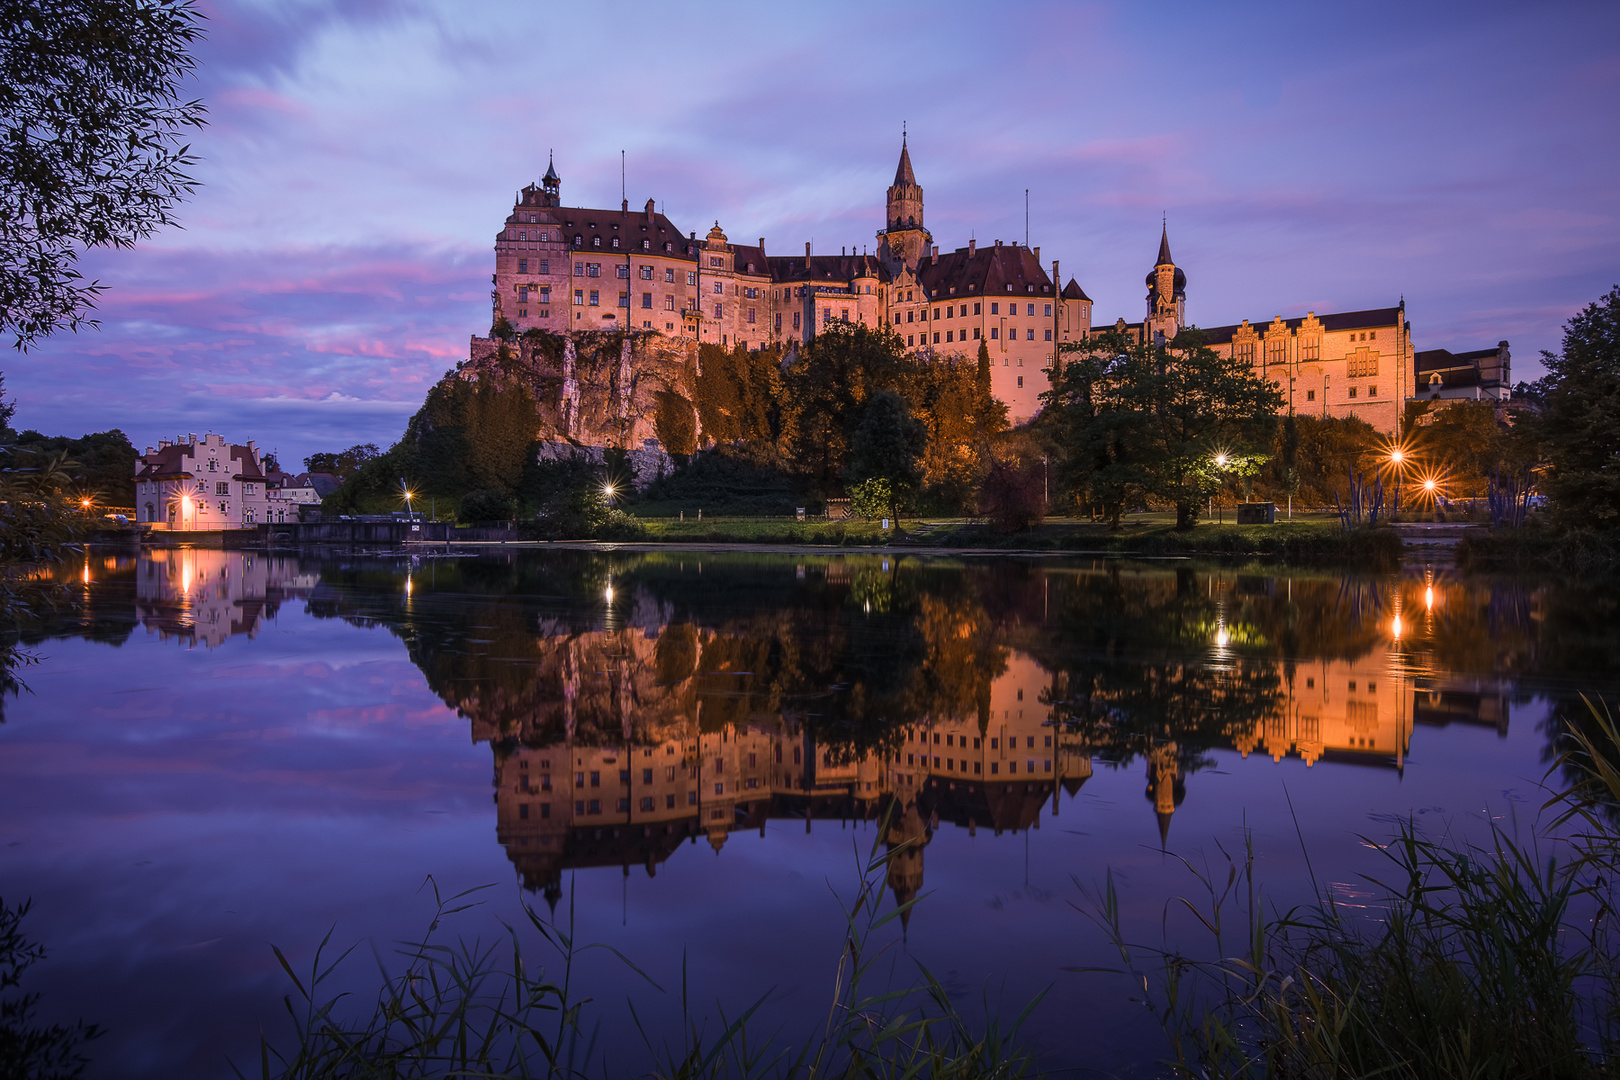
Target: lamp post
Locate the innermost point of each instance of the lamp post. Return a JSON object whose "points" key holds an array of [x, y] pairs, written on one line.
{"points": [[1220, 463]]}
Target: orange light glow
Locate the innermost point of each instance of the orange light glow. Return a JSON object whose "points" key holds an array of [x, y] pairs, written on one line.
{"points": [[1395, 628], [1428, 598]]}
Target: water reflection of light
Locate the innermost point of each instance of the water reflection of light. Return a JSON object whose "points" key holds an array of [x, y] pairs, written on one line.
{"points": [[1221, 637], [407, 584], [1428, 598], [86, 575], [608, 594], [1395, 627]]}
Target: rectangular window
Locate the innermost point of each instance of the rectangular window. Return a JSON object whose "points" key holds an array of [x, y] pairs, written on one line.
{"points": [[779, 322], [1352, 391], [995, 309], [1048, 310], [545, 266], [720, 788], [596, 298], [717, 311], [249, 489], [523, 266], [975, 333], [691, 798], [624, 272], [222, 487], [523, 811], [669, 303], [545, 294], [595, 806], [646, 300], [750, 316], [646, 273], [579, 296], [1310, 395], [593, 269], [624, 299], [669, 274], [1029, 335], [1048, 333], [596, 779], [995, 767], [669, 802], [719, 288], [795, 320], [545, 809], [1020, 382], [995, 331], [1244, 351], [948, 335], [1372, 391], [579, 269], [691, 277], [908, 339]]}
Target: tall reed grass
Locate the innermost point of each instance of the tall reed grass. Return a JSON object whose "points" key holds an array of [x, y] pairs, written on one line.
{"points": [[1490, 960], [467, 1010]]}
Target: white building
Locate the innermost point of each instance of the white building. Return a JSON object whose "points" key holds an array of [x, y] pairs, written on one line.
{"points": [[201, 485]]}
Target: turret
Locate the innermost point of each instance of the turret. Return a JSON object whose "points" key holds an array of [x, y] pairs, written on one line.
{"points": [[903, 241], [1167, 295], [551, 185]]}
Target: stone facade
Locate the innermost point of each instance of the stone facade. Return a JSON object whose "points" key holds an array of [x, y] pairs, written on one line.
{"points": [[573, 269], [1352, 363]]}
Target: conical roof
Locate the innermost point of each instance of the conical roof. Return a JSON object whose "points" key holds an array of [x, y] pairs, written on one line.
{"points": [[551, 171], [903, 174], [1164, 248]]}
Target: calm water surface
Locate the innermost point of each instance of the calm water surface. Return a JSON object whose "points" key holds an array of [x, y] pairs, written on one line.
{"points": [[687, 752]]}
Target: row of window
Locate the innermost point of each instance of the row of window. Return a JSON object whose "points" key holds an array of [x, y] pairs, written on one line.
{"points": [[951, 336], [1372, 392], [995, 766], [995, 741]]}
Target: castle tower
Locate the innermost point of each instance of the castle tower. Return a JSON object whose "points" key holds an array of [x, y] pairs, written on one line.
{"points": [[903, 241], [1167, 295], [551, 185]]}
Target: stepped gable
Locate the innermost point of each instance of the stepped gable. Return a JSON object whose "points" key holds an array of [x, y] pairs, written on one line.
{"points": [[986, 271], [1372, 318]]}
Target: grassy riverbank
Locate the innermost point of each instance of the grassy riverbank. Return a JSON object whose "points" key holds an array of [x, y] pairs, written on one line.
{"points": [[1538, 549], [1143, 534]]}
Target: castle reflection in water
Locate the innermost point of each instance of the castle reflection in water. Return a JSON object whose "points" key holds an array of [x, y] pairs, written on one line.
{"points": [[633, 708]]}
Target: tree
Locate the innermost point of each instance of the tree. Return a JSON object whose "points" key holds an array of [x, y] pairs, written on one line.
{"points": [[889, 446], [345, 463], [1580, 419], [829, 383], [91, 119], [1140, 421]]}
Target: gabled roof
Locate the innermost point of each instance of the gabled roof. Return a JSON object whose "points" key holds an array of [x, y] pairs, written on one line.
{"points": [[168, 463], [987, 272], [633, 228], [1073, 291], [824, 268]]}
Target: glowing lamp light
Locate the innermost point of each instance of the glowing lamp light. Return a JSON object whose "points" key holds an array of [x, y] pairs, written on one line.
{"points": [[1395, 628], [1220, 461], [1222, 638], [85, 503], [1397, 456], [407, 585], [1429, 485], [1428, 598], [608, 594]]}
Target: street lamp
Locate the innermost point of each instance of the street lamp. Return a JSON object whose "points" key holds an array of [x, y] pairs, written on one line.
{"points": [[1220, 463]]}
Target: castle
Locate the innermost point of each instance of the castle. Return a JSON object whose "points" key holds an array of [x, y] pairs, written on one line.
{"points": [[565, 269]]}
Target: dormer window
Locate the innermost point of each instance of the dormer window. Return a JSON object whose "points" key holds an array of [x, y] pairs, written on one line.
{"points": [[668, 246], [615, 243], [579, 241], [646, 245], [750, 268], [1009, 286], [596, 241], [953, 290]]}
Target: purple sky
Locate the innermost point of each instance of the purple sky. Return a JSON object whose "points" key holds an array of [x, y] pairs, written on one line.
{"points": [[362, 155]]}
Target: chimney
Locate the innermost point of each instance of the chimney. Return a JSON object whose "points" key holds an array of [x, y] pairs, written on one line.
{"points": [[624, 206], [842, 251], [762, 247], [998, 243], [650, 211], [1057, 279], [936, 253], [1037, 250], [973, 245], [253, 446], [807, 253]]}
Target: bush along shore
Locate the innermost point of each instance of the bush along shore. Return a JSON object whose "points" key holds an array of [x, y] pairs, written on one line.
{"points": [[1296, 541], [1538, 549]]}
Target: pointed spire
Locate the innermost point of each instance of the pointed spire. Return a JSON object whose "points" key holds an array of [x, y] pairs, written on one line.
{"points": [[1164, 248], [551, 169], [1164, 828], [903, 174]]}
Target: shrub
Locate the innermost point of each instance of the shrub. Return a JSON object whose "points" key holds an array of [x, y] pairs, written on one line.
{"points": [[1012, 497], [485, 504]]}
